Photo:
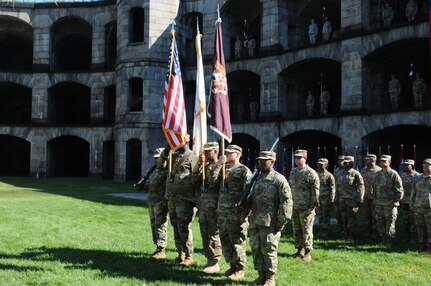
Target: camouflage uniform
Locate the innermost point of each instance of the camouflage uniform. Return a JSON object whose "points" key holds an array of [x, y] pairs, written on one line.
{"points": [[350, 193], [207, 198], [326, 198], [305, 192], [389, 191], [421, 200], [369, 174], [337, 173], [180, 195], [408, 180], [232, 232]]}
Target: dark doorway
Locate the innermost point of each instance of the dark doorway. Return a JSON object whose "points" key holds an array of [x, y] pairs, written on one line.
{"points": [[15, 156], [15, 103], [108, 159], [109, 104], [137, 22], [250, 148], [68, 156], [136, 90], [244, 95], [133, 160]]}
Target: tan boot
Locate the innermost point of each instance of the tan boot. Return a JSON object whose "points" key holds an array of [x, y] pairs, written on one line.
{"points": [[188, 260], [231, 270], [259, 280], [307, 256], [270, 279], [299, 253], [212, 267], [180, 258], [159, 254], [238, 274]]}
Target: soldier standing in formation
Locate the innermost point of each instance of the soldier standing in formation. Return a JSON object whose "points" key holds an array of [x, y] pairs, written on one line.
{"points": [[180, 195], [270, 207], [389, 191], [350, 193], [337, 173], [421, 200], [326, 197], [207, 194], [304, 182], [233, 232], [369, 174], [408, 179]]}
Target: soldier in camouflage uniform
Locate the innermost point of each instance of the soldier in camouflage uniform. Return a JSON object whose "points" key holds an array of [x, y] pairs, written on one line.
{"points": [[155, 187], [232, 232], [421, 200], [369, 174], [389, 191], [180, 195], [408, 178], [207, 194], [337, 173], [305, 184], [270, 207], [326, 197], [350, 193]]}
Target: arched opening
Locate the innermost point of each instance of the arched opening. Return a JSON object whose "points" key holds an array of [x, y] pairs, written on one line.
{"points": [[244, 96], [415, 141], [109, 99], [191, 32], [244, 19], [16, 44], [68, 156], [69, 103], [15, 103], [316, 76], [136, 89], [137, 24], [15, 156], [110, 45], [380, 11], [71, 44], [250, 148], [404, 60], [133, 159], [108, 159], [318, 144]]}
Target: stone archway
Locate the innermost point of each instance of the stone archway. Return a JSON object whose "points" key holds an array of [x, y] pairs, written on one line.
{"points": [[15, 156], [15, 103], [244, 96]]}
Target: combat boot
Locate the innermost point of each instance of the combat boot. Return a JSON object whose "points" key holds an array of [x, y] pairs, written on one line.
{"points": [[188, 260], [231, 270], [261, 279], [270, 279], [211, 267], [180, 258], [307, 256], [389, 241], [160, 253], [299, 253], [238, 274]]}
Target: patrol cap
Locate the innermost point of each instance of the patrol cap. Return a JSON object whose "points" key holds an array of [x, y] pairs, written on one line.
{"points": [[370, 157], [300, 153], [341, 158], [158, 152], [322, 161], [348, 159], [427, 161], [210, 146], [385, 158], [233, 149], [409, 162], [267, 155]]}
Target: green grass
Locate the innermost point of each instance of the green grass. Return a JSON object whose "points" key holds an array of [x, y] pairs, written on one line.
{"points": [[68, 232]]}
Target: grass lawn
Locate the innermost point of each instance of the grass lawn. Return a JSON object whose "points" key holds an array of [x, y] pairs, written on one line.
{"points": [[68, 232]]}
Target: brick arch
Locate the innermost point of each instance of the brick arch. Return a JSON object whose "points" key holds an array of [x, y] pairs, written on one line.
{"points": [[17, 78], [84, 79], [328, 52]]}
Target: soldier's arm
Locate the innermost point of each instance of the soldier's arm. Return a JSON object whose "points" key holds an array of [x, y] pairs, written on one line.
{"points": [[285, 205], [331, 182], [360, 188], [315, 190], [398, 188], [197, 175], [413, 193]]}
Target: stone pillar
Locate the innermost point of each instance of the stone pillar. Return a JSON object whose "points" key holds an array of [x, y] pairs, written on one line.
{"points": [[351, 75], [351, 15], [120, 160], [96, 104], [38, 154], [39, 106], [98, 47], [96, 157], [273, 27], [41, 42]]}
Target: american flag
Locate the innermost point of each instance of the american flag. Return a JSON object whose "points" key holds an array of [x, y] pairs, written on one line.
{"points": [[174, 114]]}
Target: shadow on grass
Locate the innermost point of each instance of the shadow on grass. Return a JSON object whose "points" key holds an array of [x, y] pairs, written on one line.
{"points": [[118, 264], [19, 268]]}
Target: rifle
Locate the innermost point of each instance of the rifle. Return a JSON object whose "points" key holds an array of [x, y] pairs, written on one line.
{"points": [[142, 182], [246, 195]]}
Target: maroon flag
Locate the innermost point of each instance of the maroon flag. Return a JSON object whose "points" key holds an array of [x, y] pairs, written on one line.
{"points": [[218, 107]]}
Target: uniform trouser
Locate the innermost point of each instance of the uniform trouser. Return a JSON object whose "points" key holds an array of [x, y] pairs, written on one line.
{"points": [[386, 217], [210, 234], [181, 215], [339, 216], [233, 237], [303, 228], [409, 220], [159, 223], [369, 215], [423, 225], [348, 208], [325, 212], [264, 244]]}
